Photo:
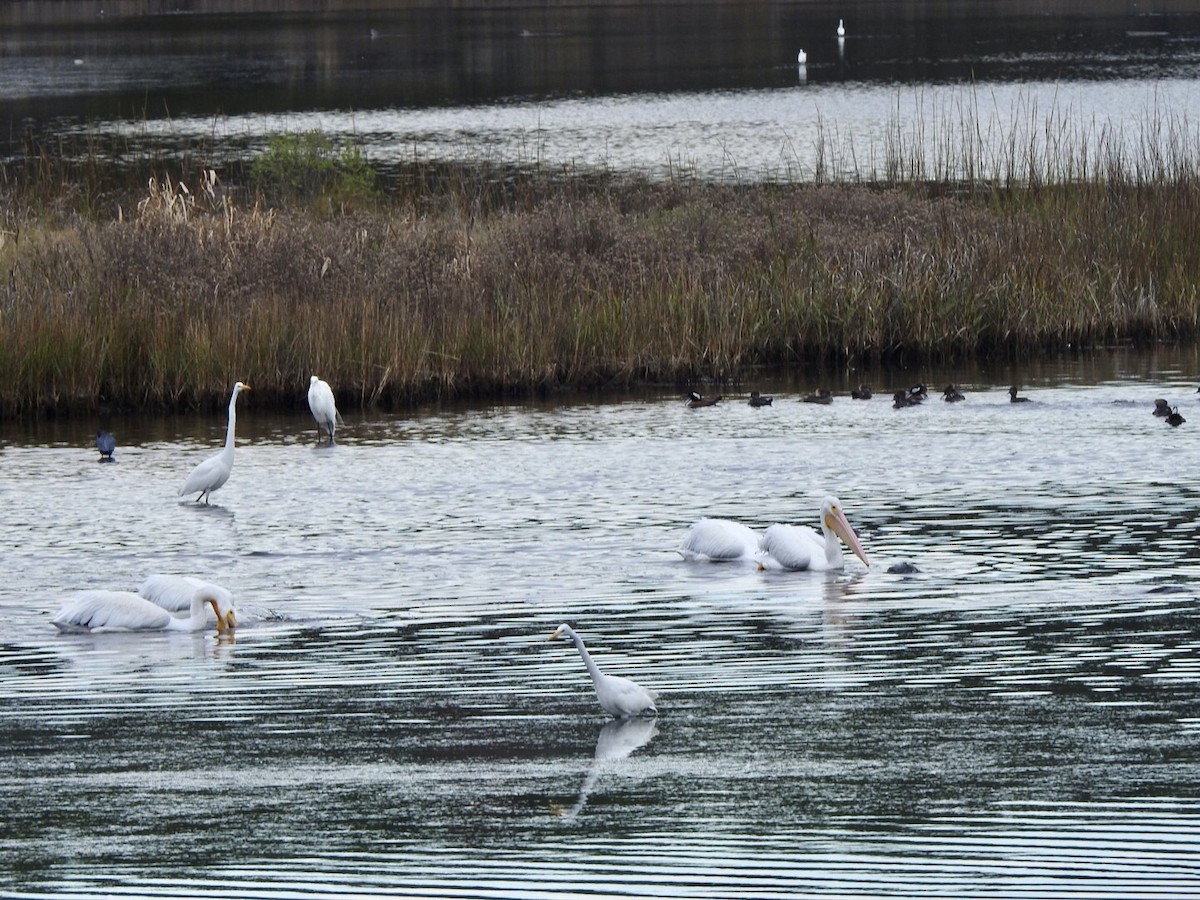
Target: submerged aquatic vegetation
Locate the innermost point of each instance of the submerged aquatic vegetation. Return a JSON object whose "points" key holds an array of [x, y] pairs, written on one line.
{"points": [[461, 280]]}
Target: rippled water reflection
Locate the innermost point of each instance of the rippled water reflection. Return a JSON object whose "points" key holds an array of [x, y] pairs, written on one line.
{"points": [[1018, 718]]}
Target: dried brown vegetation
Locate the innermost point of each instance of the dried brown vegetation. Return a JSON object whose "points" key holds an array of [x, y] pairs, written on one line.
{"points": [[473, 286]]}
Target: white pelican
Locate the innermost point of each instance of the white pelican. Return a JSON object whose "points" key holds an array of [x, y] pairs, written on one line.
{"points": [[97, 611], [797, 547], [841, 29], [214, 471], [719, 540], [174, 593], [619, 696], [801, 57], [324, 409]]}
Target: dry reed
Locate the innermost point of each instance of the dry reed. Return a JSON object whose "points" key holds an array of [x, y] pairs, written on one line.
{"points": [[461, 284]]}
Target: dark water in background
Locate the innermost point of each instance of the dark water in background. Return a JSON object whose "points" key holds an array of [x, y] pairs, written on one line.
{"points": [[1018, 718], [711, 88]]}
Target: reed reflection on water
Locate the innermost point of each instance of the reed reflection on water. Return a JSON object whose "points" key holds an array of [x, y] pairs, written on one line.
{"points": [[709, 89], [1018, 716]]}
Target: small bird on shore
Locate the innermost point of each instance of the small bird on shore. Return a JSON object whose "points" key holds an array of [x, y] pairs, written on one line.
{"points": [[820, 395], [952, 394], [862, 392], [696, 400], [757, 399], [1161, 408], [1175, 419], [1013, 398], [106, 444]]}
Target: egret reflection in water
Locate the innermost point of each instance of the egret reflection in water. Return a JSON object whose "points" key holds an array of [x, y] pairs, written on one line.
{"points": [[616, 741]]}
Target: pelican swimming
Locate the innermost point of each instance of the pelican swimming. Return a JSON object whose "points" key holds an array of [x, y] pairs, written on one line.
{"points": [[719, 540], [619, 696], [797, 547], [100, 611], [209, 475], [174, 593]]}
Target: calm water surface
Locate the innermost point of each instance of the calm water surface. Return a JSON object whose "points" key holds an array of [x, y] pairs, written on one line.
{"points": [[710, 89], [1018, 718]]}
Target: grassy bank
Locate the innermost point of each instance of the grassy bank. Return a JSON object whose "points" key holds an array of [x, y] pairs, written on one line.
{"points": [[451, 282]]}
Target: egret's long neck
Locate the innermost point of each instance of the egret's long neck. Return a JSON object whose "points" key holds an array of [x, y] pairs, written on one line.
{"points": [[232, 422], [587, 658]]}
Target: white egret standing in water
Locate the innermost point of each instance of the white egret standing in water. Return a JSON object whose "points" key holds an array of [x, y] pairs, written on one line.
{"points": [[324, 409], [214, 471], [619, 696]]}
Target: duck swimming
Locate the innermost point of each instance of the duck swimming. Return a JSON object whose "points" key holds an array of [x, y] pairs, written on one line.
{"points": [[820, 395], [901, 399], [862, 392], [695, 400], [1013, 398], [1161, 408], [757, 399], [1175, 419], [952, 394]]}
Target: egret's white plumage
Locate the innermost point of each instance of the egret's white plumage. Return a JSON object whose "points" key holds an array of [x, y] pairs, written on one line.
{"points": [[619, 696], [841, 29], [99, 611], [174, 593], [719, 540], [798, 547], [214, 471], [324, 409]]}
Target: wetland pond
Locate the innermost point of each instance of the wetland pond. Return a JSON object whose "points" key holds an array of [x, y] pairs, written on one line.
{"points": [[1020, 717]]}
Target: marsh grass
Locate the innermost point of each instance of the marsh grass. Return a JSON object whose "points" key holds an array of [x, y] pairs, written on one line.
{"points": [[158, 289]]}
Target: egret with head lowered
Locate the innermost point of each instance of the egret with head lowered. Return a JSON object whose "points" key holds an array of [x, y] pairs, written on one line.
{"points": [[619, 696], [214, 471]]}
